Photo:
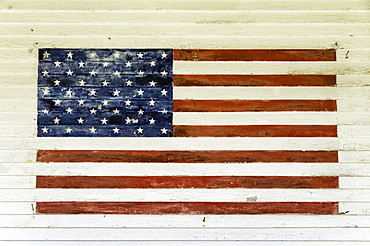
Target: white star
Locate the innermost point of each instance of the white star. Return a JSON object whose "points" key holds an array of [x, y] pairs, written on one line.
{"points": [[105, 83], [164, 130], [81, 64], [116, 130], [128, 82], [164, 73], [164, 55], [128, 64], [151, 102], [164, 111], [93, 111], [152, 83], [140, 111], [56, 120], [151, 121], [57, 82], [81, 102], [140, 92], [93, 55], [104, 121], [45, 72], [116, 55], [46, 91], [164, 92], [57, 102], [70, 55], [69, 92], [46, 55], [140, 73], [105, 64], [92, 73], [69, 110], [140, 55], [105, 102], [116, 111], [45, 111], [45, 130], [82, 82], [128, 120], [80, 120], [128, 102], [69, 72], [116, 93], [140, 130], [92, 92], [92, 130], [57, 63], [69, 130], [152, 63], [117, 73]]}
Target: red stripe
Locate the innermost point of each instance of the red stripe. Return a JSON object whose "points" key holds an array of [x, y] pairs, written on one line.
{"points": [[255, 55], [254, 80], [255, 131], [185, 156], [253, 105], [204, 182], [187, 207]]}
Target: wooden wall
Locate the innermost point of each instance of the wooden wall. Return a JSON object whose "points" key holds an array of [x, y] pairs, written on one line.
{"points": [[343, 25]]}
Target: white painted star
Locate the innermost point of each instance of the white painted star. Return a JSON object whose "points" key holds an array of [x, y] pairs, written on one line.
{"points": [[116, 55], [69, 110], [105, 64], [105, 83], [164, 130], [45, 73], [151, 121], [140, 92], [46, 91], [45, 130], [93, 111], [140, 73], [140, 55], [57, 82], [57, 102], [140, 111], [116, 93], [82, 82], [80, 120], [128, 120], [56, 120], [93, 55], [152, 63], [104, 121], [69, 92], [140, 130], [69, 130], [164, 73], [164, 55], [128, 102], [57, 63], [128, 64], [69, 72], [116, 130], [92, 92], [45, 111], [81, 64], [105, 102], [128, 82], [117, 73], [164, 92], [93, 73], [152, 83], [92, 130], [46, 55], [164, 111], [116, 111], [81, 102], [151, 102], [70, 55]]}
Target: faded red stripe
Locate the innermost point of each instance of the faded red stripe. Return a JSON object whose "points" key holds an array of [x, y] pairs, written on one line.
{"points": [[253, 105], [254, 80], [187, 207], [185, 156], [255, 55], [202, 182], [255, 131]]}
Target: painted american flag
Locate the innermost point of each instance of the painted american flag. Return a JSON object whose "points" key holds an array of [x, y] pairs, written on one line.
{"points": [[133, 93]]}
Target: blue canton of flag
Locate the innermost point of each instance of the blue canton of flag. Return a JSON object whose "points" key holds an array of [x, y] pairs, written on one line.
{"points": [[105, 93]]}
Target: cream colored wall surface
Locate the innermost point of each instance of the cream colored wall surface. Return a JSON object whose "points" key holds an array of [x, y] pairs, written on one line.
{"points": [[343, 25]]}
